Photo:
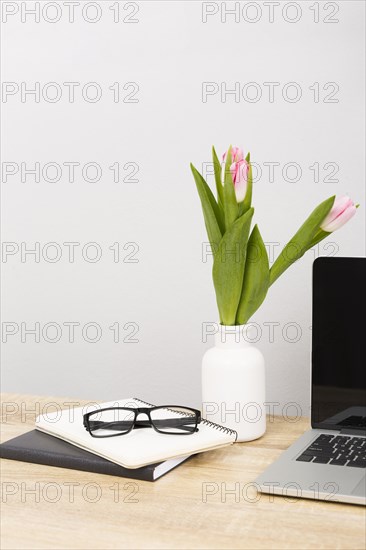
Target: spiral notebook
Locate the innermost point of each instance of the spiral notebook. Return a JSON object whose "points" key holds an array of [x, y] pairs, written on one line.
{"points": [[139, 447]]}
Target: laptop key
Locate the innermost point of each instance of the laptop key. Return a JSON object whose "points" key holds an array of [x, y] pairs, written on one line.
{"points": [[322, 459], [305, 458], [338, 462], [309, 453]]}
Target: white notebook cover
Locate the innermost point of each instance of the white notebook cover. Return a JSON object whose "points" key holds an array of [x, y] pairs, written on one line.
{"points": [[137, 448]]}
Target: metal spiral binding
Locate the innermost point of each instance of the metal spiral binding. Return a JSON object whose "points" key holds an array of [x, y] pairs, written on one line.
{"points": [[144, 402], [203, 420], [221, 428]]}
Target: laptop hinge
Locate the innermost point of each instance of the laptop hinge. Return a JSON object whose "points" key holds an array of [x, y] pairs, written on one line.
{"points": [[349, 431]]}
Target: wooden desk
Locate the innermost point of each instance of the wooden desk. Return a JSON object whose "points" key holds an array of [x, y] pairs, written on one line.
{"points": [[188, 508]]}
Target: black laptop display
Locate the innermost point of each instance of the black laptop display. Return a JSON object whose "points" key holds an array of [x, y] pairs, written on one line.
{"points": [[338, 344]]}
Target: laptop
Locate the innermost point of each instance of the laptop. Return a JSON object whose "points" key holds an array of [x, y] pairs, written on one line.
{"points": [[329, 461]]}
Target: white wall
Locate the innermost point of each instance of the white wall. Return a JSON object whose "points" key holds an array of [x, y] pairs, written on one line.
{"points": [[170, 52]]}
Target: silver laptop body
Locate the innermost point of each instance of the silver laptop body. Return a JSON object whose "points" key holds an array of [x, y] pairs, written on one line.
{"points": [[329, 461]]}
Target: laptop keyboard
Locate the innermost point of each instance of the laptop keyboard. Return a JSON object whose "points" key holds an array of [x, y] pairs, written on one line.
{"points": [[339, 450]]}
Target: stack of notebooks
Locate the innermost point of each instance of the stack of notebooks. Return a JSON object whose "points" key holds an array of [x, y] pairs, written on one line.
{"points": [[61, 440]]}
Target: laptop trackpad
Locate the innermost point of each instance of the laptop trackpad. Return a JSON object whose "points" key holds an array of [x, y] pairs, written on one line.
{"points": [[360, 489]]}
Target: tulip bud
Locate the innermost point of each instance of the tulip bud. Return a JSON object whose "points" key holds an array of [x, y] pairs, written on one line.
{"points": [[236, 154], [342, 210], [239, 171]]}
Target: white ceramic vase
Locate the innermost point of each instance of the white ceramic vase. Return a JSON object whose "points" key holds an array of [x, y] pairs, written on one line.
{"points": [[233, 383]]}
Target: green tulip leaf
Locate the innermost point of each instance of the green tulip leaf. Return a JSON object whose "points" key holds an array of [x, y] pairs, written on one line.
{"points": [[301, 241], [256, 278], [247, 202], [218, 180], [228, 267], [212, 213], [319, 237]]}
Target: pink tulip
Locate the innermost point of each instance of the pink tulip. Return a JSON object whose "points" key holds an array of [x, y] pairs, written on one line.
{"points": [[239, 171], [236, 154], [342, 210]]}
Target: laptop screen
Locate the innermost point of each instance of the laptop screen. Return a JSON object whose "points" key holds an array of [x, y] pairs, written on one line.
{"points": [[339, 344]]}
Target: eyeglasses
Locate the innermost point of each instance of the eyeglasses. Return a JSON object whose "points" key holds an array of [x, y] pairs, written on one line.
{"points": [[168, 419]]}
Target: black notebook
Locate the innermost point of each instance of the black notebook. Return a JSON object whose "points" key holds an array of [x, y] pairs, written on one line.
{"points": [[40, 448]]}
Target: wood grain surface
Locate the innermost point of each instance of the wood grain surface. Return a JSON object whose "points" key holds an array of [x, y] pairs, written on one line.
{"points": [[208, 502]]}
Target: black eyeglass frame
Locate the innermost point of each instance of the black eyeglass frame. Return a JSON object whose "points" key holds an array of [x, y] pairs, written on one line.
{"points": [[142, 423]]}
